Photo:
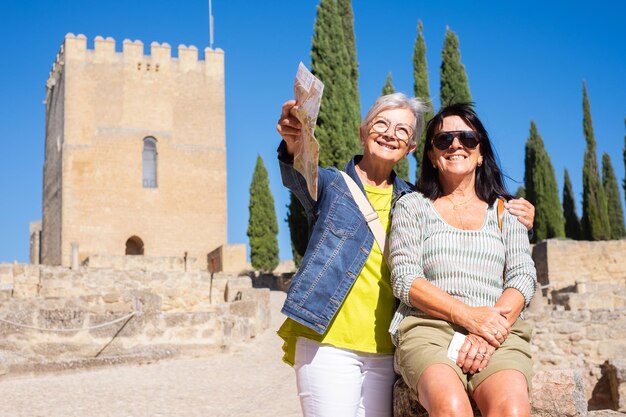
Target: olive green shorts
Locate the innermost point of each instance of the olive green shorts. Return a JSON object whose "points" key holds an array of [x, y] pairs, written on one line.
{"points": [[423, 341]]}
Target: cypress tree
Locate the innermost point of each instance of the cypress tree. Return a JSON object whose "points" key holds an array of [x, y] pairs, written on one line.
{"points": [[541, 188], [572, 223], [298, 228], [337, 123], [421, 90], [454, 86], [613, 199], [595, 220], [353, 109], [262, 224], [388, 87], [402, 167], [521, 192], [333, 61]]}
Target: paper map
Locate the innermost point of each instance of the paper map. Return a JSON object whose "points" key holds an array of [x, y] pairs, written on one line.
{"points": [[308, 93]]}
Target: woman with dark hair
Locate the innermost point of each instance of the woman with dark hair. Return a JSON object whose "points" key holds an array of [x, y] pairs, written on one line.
{"points": [[463, 276]]}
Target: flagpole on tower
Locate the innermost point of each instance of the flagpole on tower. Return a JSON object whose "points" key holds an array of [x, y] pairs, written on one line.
{"points": [[210, 26]]}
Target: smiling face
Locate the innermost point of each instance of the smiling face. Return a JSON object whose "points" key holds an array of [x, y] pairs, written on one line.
{"points": [[457, 160], [385, 146]]}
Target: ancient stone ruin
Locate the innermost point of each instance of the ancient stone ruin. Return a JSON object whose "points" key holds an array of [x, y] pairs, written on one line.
{"points": [[123, 309], [131, 308]]}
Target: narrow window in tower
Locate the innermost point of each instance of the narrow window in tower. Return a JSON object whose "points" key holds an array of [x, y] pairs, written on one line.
{"points": [[149, 157]]}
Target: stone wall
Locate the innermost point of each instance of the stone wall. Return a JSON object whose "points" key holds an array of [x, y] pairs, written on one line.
{"points": [[564, 263], [583, 340], [582, 324], [145, 263], [176, 311]]}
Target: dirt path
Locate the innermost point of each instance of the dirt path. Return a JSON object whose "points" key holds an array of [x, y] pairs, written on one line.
{"points": [[249, 381]]}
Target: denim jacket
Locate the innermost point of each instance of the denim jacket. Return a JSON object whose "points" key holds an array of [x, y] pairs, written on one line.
{"points": [[339, 242]]}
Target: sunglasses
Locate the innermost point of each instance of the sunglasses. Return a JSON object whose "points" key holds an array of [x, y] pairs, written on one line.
{"points": [[443, 140]]}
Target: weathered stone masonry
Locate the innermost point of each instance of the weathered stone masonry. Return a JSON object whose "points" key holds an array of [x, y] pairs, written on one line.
{"points": [[101, 108], [178, 312]]}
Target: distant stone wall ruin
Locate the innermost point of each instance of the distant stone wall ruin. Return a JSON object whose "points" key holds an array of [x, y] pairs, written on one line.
{"points": [[582, 325], [181, 312]]}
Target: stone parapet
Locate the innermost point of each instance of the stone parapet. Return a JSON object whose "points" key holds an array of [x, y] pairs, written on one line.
{"points": [[566, 263], [228, 258], [146, 263], [50, 314], [104, 50]]}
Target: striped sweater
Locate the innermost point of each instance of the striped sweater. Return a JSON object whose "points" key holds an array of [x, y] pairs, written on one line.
{"points": [[467, 264]]}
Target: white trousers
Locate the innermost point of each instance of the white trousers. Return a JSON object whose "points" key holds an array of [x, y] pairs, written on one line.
{"points": [[334, 382]]}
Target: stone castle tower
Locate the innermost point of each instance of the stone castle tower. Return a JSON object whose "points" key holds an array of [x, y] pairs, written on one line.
{"points": [[135, 153]]}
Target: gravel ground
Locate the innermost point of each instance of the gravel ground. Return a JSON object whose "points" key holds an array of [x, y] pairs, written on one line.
{"points": [[251, 380]]}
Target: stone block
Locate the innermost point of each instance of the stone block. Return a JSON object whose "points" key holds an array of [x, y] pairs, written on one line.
{"points": [[25, 291], [612, 349], [405, 403], [244, 308], [558, 393], [236, 329], [618, 330], [5, 294], [568, 328], [15, 315], [175, 319], [6, 270], [111, 297], [133, 327], [227, 258], [121, 307], [60, 319], [146, 301], [108, 330], [235, 287], [596, 332]]}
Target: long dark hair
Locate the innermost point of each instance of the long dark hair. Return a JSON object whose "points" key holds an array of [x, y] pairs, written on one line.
{"points": [[489, 184]]}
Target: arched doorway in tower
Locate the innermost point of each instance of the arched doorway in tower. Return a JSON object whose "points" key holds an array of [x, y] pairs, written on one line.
{"points": [[134, 246]]}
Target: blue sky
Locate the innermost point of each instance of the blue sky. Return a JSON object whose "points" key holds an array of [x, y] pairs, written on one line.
{"points": [[525, 61]]}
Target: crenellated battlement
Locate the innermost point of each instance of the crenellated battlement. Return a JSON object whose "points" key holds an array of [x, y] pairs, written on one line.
{"points": [[132, 54]]}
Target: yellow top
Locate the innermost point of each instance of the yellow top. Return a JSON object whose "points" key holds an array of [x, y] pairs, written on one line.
{"points": [[362, 322]]}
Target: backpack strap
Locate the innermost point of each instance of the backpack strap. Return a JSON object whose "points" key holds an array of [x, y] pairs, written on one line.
{"points": [[500, 212], [500, 218]]}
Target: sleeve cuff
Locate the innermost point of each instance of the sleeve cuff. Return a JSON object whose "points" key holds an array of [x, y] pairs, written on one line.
{"points": [[283, 155]]}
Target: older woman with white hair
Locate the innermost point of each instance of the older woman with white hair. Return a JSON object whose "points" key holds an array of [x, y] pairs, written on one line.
{"points": [[341, 303]]}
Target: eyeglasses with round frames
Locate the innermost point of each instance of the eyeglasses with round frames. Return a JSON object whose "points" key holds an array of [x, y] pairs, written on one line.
{"points": [[468, 138], [401, 131]]}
